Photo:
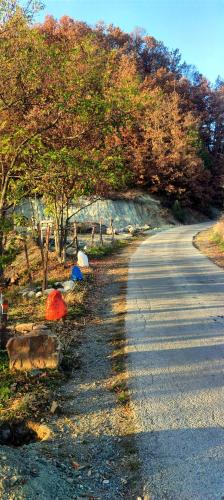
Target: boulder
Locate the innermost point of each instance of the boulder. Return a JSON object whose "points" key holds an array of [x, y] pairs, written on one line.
{"points": [[134, 230], [14, 279], [30, 327], [38, 295], [109, 231], [31, 294], [31, 352], [24, 327], [87, 226]]}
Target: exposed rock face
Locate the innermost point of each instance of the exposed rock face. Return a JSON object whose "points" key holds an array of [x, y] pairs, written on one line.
{"points": [[33, 351], [135, 207]]}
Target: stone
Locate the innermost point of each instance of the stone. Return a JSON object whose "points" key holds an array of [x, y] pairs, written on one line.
{"points": [[38, 295], [31, 294], [55, 408], [48, 290], [40, 326], [28, 352], [68, 286], [133, 230], [14, 279], [24, 327]]}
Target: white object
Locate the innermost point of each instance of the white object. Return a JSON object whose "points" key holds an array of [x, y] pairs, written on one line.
{"points": [[83, 260], [68, 286], [31, 294], [48, 290], [38, 295]]}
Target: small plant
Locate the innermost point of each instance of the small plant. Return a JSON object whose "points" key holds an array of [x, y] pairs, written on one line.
{"points": [[121, 391], [100, 251], [179, 212]]}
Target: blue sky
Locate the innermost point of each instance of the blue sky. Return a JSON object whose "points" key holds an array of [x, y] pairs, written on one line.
{"points": [[196, 27]]}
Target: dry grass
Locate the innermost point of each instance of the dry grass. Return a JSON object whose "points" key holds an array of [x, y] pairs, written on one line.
{"points": [[23, 309], [211, 243], [218, 230]]}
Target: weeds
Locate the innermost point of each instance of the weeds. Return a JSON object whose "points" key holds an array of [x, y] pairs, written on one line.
{"points": [[100, 251]]}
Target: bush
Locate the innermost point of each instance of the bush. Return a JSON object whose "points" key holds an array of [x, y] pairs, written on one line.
{"points": [[179, 212], [101, 251], [218, 232]]}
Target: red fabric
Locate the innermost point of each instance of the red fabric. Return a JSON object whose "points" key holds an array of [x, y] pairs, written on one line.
{"points": [[55, 306]]}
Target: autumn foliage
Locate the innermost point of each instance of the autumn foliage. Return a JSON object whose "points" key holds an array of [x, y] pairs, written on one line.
{"points": [[90, 110]]}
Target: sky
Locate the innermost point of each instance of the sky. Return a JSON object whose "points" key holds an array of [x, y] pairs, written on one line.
{"points": [[195, 27]]}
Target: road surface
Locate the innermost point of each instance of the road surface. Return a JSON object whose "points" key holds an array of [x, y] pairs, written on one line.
{"points": [[175, 331]]}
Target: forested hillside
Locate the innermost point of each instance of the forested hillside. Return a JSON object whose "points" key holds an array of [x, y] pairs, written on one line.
{"points": [[89, 110]]}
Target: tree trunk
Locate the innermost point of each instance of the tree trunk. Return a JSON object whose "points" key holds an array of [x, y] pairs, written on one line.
{"points": [[76, 237], [40, 244], [93, 235], [112, 229]]}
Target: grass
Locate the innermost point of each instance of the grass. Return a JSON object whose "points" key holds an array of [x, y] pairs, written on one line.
{"points": [[218, 239], [100, 251], [23, 394], [5, 379], [211, 243]]}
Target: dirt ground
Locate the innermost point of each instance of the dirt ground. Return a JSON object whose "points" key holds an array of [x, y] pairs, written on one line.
{"points": [[87, 448]]}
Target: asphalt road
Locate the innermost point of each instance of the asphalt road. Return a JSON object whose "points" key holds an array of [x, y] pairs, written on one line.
{"points": [[175, 331]]}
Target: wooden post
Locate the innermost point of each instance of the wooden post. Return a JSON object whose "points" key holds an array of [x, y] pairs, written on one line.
{"points": [[93, 234], [27, 259], [40, 244], [112, 229], [101, 234], [44, 285], [76, 237]]}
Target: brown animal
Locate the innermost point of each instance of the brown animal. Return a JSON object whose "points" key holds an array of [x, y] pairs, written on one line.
{"points": [[33, 351]]}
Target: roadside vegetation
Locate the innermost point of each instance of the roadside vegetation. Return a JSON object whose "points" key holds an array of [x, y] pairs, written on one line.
{"points": [[211, 242]]}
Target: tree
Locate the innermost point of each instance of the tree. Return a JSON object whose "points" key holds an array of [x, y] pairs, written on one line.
{"points": [[31, 103]]}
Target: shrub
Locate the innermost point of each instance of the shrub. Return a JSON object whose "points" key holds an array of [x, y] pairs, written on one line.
{"points": [[179, 212]]}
